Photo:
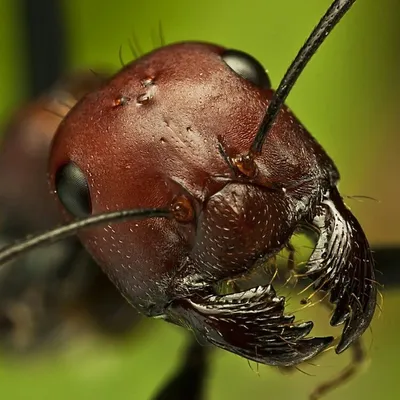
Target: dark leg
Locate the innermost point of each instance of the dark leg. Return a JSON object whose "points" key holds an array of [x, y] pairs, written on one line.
{"points": [[357, 360], [387, 265], [46, 47], [188, 383]]}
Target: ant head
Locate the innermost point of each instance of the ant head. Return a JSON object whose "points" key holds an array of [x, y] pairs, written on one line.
{"points": [[183, 128], [194, 135], [169, 131]]}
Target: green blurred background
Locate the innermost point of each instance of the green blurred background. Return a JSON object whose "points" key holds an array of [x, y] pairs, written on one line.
{"points": [[348, 99]]}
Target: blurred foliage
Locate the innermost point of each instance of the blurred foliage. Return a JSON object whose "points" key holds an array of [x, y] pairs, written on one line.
{"points": [[347, 97]]}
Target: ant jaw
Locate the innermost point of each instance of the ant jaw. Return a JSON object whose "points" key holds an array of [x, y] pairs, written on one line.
{"points": [[251, 324], [342, 266]]}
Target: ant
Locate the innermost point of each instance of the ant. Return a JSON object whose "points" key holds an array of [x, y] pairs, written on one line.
{"points": [[189, 148]]}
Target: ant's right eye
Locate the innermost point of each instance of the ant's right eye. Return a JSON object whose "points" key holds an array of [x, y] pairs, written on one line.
{"points": [[247, 67], [73, 190]]}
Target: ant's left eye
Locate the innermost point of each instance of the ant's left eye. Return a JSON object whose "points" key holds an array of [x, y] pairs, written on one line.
{"points": [[73, 190], [247, 67]]}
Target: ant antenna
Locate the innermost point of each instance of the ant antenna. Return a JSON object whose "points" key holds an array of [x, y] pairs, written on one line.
{"points": [[62, 232], [334, 14]]}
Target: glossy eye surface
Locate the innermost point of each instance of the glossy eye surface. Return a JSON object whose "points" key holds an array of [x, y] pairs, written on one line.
{"points": [[247, 67], [73, 190]]}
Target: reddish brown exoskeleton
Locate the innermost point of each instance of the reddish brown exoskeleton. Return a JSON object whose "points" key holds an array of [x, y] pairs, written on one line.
{"points": [[212, 175]]}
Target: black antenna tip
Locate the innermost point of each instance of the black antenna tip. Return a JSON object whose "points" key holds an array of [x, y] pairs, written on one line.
{"points": [[331, 18]]}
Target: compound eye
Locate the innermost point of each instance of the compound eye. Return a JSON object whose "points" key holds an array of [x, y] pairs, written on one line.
{"points": [[73, 190], [247, 67]]}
